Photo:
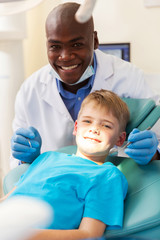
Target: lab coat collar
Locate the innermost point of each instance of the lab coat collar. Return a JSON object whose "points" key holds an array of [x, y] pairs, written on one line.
{"points": [[104, 69], [51, 95]]}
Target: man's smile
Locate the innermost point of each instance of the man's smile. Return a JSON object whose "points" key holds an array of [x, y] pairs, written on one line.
{"points": [[69, 67]]}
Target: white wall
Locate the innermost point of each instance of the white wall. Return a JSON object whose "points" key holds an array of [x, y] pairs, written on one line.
{"points": [[12, 32], [130, 21], [35, 43]]}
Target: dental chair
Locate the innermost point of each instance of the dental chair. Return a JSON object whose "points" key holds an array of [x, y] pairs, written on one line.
{"points": [[142, 204]]}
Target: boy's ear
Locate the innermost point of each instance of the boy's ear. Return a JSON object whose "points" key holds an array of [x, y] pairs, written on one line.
{"points": [[121, 139], [75, 128]]}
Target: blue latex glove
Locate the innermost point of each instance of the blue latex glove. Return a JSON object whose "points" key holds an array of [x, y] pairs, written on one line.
{"points": [[20, 146], [143, 146]]}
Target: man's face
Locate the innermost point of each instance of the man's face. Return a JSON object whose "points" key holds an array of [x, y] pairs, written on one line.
{"points": [[70, 48], [96, 130]]}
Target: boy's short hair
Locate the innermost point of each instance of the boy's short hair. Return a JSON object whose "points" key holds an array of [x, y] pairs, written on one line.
{"points": [[112, 102]]}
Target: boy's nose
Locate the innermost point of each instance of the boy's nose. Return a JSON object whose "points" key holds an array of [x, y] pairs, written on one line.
{"points": [[95, 131]]}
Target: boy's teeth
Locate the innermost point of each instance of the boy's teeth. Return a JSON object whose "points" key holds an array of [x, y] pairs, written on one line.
{"points": [[70, 67]]}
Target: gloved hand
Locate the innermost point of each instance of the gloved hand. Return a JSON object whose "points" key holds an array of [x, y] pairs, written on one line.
{"points": [[26, 144], [143, 146]]}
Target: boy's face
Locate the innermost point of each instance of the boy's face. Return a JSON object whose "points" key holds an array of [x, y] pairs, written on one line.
{"points": [[97, 131]]}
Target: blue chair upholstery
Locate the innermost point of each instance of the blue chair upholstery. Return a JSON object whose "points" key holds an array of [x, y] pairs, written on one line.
{"points": [[13, 176], [143, 113], [142, 207]]}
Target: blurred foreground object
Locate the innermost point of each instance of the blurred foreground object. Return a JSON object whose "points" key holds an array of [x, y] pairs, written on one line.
{"points": [[20, 216]]}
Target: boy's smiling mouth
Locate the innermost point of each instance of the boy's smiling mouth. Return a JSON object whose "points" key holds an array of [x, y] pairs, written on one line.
{"points": [[93, 139]]}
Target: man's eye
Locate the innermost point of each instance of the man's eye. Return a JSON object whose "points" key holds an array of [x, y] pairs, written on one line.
{"points": [[54, 47], [77, 45]]}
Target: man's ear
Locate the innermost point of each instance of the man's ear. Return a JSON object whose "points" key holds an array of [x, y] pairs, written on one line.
{"points": [[121, 139], [96, 41], [75, 128]]}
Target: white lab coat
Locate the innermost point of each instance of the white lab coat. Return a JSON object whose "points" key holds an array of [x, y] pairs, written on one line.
{"points": [[39, 104]]}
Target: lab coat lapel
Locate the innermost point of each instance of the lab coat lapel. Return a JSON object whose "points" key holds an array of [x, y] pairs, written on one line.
{"points": [[51, 95], [103, 79]]}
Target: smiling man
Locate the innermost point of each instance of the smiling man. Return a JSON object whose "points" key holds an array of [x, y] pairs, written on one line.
{"points": [[70, 46], [48, 102]]}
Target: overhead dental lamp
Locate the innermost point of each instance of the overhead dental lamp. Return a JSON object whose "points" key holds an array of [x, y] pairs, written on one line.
{"points": [[85, 11], [9, 7]]}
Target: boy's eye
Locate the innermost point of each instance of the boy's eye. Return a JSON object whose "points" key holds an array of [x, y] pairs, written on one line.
{"points": [[86, 121], [107, 126]]}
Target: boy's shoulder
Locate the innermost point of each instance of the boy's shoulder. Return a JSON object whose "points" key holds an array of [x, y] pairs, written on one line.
{"points": [[114, 173]]}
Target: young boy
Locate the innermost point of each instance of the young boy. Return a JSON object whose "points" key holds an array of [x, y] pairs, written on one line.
{"points": [[85, 191]]}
